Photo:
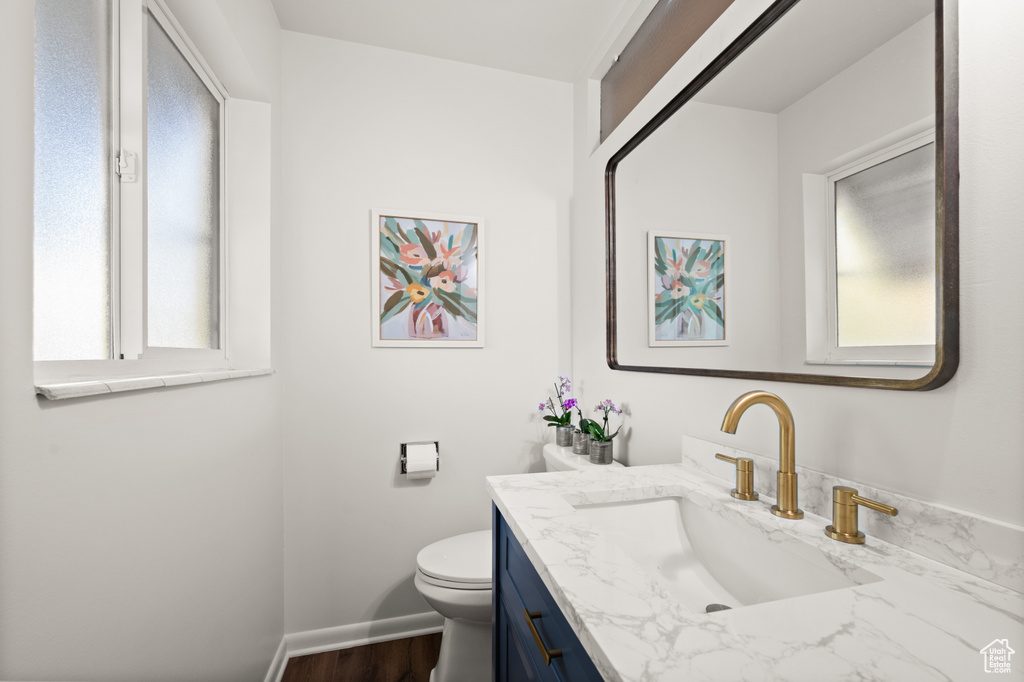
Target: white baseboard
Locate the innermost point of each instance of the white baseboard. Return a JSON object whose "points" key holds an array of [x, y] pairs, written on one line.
{"points": [[348, 636], [277, 665]]}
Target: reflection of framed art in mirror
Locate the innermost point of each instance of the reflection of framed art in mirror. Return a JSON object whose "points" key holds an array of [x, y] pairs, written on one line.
{"points": [[686, 289]]}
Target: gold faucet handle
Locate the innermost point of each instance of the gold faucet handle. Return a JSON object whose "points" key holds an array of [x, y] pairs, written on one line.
{"points": [[845, 501], [744, 489]]}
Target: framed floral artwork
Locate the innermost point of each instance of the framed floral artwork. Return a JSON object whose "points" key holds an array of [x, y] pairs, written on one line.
{"points": [[427, 280], [686, 289]]}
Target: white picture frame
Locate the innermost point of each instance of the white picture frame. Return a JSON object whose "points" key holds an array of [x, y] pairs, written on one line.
{"points": [[686, 291], [427, 287]]}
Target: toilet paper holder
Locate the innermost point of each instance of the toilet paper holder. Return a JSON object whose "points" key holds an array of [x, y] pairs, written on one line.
{"points": [[437, 452]]}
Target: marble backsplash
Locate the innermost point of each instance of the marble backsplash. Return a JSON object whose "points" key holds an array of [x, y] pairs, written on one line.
{"points": [[986, 548]]}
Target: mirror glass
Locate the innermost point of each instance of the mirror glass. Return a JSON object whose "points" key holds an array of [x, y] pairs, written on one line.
{"points": [[781, 216]]}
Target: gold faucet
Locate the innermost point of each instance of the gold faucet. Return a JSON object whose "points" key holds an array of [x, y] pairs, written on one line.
{"points": [[845, 501], [788, 507]]}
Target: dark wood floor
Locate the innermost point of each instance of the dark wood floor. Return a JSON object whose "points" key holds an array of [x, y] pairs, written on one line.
{"points": [[401, 660]]}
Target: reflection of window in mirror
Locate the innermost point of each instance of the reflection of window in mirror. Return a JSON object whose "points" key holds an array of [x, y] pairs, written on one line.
{"points": [[880, 277]]}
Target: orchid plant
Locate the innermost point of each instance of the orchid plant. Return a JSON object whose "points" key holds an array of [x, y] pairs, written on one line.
{"points": [[599, 432], [562, 416]]}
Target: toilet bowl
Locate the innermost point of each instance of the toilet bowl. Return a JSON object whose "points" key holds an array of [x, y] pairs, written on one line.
{"points": [[454, 577]]}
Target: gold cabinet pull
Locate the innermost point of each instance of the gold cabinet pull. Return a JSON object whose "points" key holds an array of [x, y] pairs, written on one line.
{"points": [[547, 653], [845, 501], [744, 489]]}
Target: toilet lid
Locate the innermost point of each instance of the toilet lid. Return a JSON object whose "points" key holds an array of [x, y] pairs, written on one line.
{"points": [[461, 559]]}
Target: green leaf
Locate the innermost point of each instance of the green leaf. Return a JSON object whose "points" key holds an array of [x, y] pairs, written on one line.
{"points": [[452, 310], [467, 244], [718, 282], [667, 303], [465, 306], [395, 271], [388, 268], [714, 312], [467, 303], [393, 300], [693, 256], [393, 231], [425, 242], [388, 248], [659, 244], [398, 302], [550, 418], [673, 311], [468, 240]]}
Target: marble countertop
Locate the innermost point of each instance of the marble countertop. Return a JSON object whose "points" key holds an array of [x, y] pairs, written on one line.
{"points": [[923, 621]]}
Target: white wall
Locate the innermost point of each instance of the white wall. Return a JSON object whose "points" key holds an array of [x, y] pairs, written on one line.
{"points": [[366, 127], [140, 534], [709, 170], [879, 101], [961, 444]]}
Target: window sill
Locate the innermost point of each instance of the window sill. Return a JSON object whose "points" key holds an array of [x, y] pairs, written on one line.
{"points": [[82, 389], [875, 363]]}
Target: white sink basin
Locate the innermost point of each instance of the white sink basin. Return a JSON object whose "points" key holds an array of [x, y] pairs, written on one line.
{"points": [[708, 556]]}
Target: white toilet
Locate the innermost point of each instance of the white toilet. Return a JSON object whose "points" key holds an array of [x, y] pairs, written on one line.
{"points": [[454, 577]]}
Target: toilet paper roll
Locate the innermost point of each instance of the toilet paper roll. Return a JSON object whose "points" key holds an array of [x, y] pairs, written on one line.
{"points": [[421, 460]]}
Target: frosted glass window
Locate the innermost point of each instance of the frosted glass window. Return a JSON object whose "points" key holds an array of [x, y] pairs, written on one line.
{"points": [[885, 252], [73, 167], [183, 231]]}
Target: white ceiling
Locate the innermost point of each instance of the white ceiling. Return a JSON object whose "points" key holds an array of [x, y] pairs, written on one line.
{"points": [[809, 45], [547, 38]]}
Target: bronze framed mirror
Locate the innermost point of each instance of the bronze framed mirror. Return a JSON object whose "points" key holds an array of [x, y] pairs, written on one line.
{"points": [[791, 215]]}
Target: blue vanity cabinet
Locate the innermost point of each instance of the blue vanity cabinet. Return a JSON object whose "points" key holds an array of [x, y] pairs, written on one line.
{"points": [[520, 598]]}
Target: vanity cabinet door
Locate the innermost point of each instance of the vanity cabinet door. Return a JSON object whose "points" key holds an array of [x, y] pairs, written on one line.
{"points": [[513, 664], [518, 589]]}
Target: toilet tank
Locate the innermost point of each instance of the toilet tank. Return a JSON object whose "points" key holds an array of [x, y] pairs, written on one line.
{"points": [[561, 459]]}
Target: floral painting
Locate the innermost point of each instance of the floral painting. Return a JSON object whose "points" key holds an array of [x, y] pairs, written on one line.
{"points": [[427, 281], [687, 290]]}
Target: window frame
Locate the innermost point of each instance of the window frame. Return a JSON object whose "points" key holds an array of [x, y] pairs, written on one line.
{"points": [[158, 10], [912, 355], [130, 354]]}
